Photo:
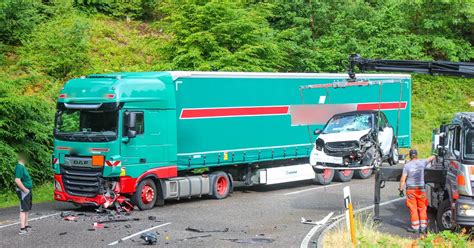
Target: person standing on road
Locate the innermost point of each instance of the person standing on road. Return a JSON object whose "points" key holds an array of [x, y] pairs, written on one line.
{"points": [[417, 202], [24, 186]]}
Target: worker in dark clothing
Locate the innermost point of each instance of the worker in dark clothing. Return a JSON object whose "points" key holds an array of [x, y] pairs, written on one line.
{"points": [[24, 186], [414, 177]]}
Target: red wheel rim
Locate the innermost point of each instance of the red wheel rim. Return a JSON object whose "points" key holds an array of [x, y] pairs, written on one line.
{"points": [[346, 173], [147, 194], [326, 173], [221, 185], [365, 171]]}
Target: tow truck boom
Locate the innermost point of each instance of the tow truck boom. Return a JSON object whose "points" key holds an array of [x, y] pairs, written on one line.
{"points": [[445, 68]]}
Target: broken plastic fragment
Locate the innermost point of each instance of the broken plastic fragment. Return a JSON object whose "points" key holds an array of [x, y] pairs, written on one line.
{"points": [[150, 238]]}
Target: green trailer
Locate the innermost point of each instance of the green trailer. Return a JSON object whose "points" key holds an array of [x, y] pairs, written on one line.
{"points": [[154, 136]]}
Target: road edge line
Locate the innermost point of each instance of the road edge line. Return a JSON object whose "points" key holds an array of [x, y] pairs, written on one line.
{"points": [[33, 219], [138, 233], [315, 188]]}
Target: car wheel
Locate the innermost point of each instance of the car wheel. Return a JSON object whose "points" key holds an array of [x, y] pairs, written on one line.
{"points": [[444, 216], [323, 177], [343, 175], [145, 195], [363, 174], [393, 160]]}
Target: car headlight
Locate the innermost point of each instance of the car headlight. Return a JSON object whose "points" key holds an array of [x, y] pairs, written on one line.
{"points": [[319, 144]]}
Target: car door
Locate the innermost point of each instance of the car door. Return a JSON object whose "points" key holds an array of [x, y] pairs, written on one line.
{"points": [[385, 134]]}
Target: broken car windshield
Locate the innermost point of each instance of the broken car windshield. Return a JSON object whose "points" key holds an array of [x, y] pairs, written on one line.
{"points": [[348, 123], [469, 147], [86, 125]]}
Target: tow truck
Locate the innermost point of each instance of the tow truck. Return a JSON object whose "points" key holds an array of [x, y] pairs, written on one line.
{"points": [[450, 179]]}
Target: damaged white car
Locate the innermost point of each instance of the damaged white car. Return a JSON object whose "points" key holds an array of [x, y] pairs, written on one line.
{"points": [[354, 140]]}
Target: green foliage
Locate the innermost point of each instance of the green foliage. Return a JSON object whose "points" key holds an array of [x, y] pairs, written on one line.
{"points": [[42, 193], [444, 239], [18, 19], [221, 36], [25, 126], [58, 47]]}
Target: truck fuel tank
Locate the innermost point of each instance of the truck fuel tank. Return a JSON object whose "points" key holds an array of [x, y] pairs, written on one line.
{"points": [[185, 187]]}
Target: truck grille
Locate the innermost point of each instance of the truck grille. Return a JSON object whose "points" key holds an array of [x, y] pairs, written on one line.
{"points": [[81, 181]]}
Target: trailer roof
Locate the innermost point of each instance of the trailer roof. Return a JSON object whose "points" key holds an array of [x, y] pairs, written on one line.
{"points": [[205, 74]]}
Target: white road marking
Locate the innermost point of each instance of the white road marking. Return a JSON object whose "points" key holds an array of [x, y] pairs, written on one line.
{"points": [[305, 242], [304, 190], [307, 238], [138, 233], [33, 219]]}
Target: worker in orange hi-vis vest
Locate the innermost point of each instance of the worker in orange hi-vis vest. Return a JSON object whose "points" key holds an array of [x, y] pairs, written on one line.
{"points": [[414, 177]]}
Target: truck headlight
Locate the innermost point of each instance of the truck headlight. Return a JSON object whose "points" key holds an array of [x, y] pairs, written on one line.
{"points": [[466, 210], [57, 186]]}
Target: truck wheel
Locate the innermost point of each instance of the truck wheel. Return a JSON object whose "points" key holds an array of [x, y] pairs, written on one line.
{"points": [[323, 177], [343, 175], [393, 160], [221, 186], [363, 174], [145, 195], [444, 216]]}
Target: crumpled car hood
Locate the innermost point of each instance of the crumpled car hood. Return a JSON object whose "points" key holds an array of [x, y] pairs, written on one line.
{"points": [[343, 136]]}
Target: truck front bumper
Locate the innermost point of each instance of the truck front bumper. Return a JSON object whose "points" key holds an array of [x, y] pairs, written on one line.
{"points": [[465, 211], [60, 194]]}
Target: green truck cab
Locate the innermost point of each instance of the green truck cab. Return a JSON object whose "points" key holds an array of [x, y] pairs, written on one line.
{"points": [[154, 136]]}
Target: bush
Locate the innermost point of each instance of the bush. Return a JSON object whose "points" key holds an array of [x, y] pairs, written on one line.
{"points": [[58, 47], [18, 19], [25, 126]]}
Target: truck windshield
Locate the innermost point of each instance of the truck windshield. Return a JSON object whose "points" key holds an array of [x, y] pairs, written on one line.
{"points": [[348, 123], [86, 125], [469, 147]]}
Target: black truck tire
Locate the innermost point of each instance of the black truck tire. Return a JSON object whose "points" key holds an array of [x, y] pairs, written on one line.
{"points": [[323, 177], [444, 216], [363, 174], [343, 175], [221, 185], [145, 195]]}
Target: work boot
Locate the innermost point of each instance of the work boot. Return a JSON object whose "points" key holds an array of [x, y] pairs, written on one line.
{"points": [[424, 230], [412, 230]]}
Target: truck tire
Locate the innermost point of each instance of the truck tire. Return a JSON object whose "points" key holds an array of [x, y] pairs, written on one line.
{"points": [[323, 177], [444, 216], [145, 195], [393, 159], [363, 174], [343, 175], [221, 185]]}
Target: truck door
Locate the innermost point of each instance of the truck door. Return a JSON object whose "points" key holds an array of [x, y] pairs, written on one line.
{"points": [[135, 151], [385, 134]]}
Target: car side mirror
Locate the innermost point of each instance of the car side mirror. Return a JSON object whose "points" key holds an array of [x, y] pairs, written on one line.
{"points": [[317, 131], [131, 133]]}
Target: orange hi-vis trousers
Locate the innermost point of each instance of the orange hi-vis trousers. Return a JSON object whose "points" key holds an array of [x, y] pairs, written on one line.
{"points": [[417, 203]]}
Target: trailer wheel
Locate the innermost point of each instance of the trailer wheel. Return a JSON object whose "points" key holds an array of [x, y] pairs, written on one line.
{"points": [[343, 175], [323, 177], [363, 174], [145, 195], [444, 216], [221, 186]]}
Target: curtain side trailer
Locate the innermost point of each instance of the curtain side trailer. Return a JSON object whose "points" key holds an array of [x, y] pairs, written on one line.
{"points": [[154, 136]]}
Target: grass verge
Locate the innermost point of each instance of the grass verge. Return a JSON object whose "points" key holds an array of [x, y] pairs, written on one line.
{"points": [[42, 193], [367, 235]]}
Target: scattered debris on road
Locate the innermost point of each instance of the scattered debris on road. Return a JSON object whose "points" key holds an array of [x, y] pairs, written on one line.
{"points": [[98, 225], [199, 237], [317, 223], [63, 233], [251, 241], [150, 238], [151, 217], [71, 218], [190, 229]]}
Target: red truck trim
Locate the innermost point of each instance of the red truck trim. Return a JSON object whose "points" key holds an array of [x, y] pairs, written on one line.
{"points": [[128, 184], [382, 105], [63, 196], [233, 112]]}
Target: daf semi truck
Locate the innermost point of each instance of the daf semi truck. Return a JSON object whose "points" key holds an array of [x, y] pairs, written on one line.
{"points": [[155, 136]]}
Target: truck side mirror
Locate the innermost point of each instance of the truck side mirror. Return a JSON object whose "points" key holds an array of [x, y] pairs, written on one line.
{"points": [[131, 133], [317, 131], [130, 119]]}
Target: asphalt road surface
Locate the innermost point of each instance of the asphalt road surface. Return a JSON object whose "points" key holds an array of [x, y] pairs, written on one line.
{"points": [[267, 216]]}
